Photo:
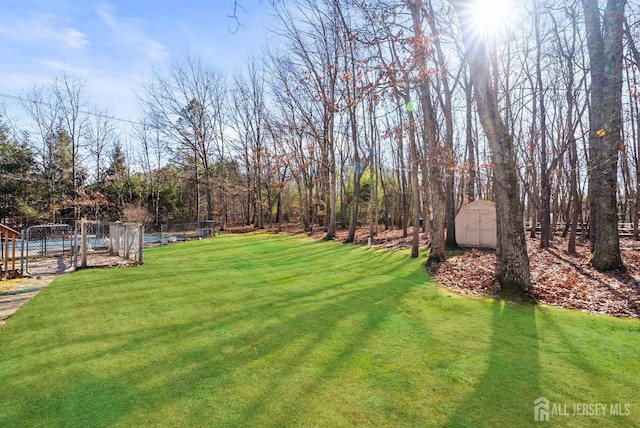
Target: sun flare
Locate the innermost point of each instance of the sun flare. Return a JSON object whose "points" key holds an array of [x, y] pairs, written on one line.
{"points": [[490, 17]]}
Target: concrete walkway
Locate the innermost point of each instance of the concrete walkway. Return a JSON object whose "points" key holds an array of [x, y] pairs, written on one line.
{"points": [[10, 303]]}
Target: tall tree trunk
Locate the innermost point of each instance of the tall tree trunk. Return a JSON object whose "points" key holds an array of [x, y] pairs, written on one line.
{"points": [[358, 168], [198, 196], [514, 276], [355, 203], [373, 167], [415, 187], [333, 195], [575, 203], [636, 140], [343, 192], [544, 215], [259, 211], [635, 125], [402, 171], [605, 124], [430, 138], [470, 188], [532, 172], [447, 110]]}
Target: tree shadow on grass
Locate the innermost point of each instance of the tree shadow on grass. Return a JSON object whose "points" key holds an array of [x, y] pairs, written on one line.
{"points": [[323, 352], [512, 372], [291, 343]]}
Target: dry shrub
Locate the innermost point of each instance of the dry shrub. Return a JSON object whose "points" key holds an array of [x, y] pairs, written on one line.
{"points": [[136, 214]]}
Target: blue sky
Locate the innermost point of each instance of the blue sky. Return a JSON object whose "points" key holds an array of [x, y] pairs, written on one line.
{"points": [[114, 45]]}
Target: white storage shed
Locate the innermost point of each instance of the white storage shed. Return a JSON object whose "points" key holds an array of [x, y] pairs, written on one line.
{"points": [[476, 225]]}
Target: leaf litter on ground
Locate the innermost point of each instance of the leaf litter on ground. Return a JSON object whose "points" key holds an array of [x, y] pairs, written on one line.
{"points": [[558, 278]]}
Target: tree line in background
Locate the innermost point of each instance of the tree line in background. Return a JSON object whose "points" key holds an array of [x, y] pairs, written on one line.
{"points": [[389, 114]]}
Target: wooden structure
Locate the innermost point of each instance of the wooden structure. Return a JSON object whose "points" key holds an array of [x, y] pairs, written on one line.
{"points": [[9, 236], [126, 241], [476, 225]]}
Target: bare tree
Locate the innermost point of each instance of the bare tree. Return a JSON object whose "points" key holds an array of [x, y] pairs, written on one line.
{"points": [[544, 216], [42, 109], [399, 79], [295, 117], [153, 159], [58, 114], [513, 274], [634, 107], [567, 41], [313, 46], [430, 135], [445, 91], [101, 135], [186, 103], [250, 124]]}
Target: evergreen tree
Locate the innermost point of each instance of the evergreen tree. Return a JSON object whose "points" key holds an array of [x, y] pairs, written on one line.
{"points": [[15, 172]]}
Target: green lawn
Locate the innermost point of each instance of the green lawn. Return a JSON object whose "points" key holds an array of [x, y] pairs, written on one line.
{"points": [[269, 330]]}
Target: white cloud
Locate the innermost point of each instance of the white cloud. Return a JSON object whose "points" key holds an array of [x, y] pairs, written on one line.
{"points": [[74, 38], [44, 30], [59, 66], [129, 33], [107, 18]]}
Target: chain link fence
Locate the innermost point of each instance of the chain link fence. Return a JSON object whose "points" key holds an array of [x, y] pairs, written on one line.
{"points": [[126, 240], [181, 232], [59, 248], [108, 244], [47, 249]]}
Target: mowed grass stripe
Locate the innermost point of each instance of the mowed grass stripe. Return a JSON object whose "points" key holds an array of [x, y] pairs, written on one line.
{"points": [[271, 330]]}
